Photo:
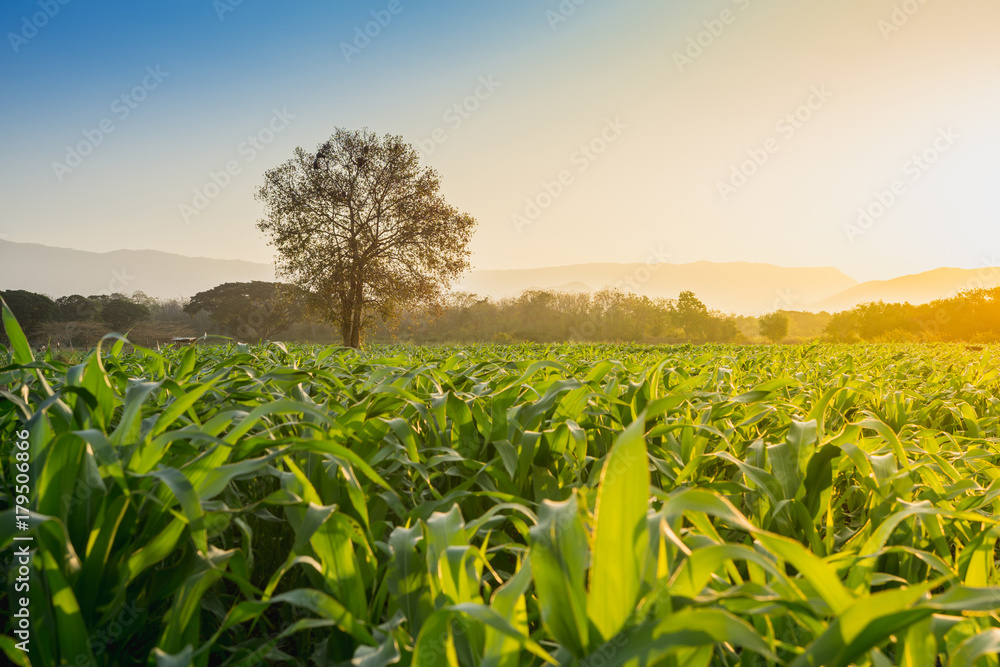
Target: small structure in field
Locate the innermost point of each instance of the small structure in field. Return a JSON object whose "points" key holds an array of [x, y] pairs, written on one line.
{"points": [[183, 340]]}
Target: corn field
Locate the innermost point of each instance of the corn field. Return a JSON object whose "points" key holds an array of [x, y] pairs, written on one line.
{"points": [[502, 505]]}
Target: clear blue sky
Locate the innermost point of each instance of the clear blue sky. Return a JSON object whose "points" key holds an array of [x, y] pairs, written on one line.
{"points": [[670, 121]]}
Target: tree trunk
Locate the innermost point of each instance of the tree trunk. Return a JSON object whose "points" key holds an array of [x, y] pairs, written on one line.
{"points": [[345, 324], [356, 306], [356, 326]]}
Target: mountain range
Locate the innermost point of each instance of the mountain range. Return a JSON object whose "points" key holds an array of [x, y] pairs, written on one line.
{"points": [[731, 287], [61, 271], [917, 288]]}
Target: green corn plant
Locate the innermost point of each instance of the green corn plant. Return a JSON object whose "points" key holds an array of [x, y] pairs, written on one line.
{"points": [[503, 504]]}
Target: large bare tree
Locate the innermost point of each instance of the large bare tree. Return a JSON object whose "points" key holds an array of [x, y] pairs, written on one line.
{"points": [[363, 227]]}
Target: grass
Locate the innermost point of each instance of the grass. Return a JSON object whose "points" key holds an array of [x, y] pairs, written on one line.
{"points": [[507, 505]]}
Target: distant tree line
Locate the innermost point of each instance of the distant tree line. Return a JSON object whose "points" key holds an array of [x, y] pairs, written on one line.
{"points": [[251, 311], [970, 316], [80, 321], [256, 311], [260, 311], [546, 316]]}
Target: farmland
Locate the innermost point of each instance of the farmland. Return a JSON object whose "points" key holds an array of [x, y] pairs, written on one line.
{"points": [[504, 505]]}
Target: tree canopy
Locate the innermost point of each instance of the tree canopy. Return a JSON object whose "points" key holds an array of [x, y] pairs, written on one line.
{"points": [[77, 308], [700, 324], [32, 310], [774, 326], [363, 228], [123, 314], [256, 310]]}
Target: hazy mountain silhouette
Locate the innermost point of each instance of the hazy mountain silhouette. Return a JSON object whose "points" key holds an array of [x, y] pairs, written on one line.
{"points": [[733, 287], [915, 289], [62, 271], [736, 287]]}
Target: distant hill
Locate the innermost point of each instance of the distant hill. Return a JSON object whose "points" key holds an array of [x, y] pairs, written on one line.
{"points": [[734, 287], [60, 271], [915, 289], [740, 288]]}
